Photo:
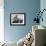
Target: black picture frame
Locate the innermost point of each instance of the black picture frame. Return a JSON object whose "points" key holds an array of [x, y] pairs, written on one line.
{"points": [[17, 19]]}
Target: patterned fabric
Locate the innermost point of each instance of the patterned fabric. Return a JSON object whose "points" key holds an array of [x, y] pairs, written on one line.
{"points": [[28, 40]]}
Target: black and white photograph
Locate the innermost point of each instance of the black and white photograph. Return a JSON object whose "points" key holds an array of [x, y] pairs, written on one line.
{"points": [[17, 19]]}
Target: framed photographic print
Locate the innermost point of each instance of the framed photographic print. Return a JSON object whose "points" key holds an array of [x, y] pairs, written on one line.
{"points": [[17, 19]]}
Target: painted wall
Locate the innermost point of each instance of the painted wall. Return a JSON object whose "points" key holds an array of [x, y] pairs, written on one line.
{"points": [[30, 7]]}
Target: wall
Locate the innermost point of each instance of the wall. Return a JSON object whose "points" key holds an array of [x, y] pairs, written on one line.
{"points": [[30, 7]]}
